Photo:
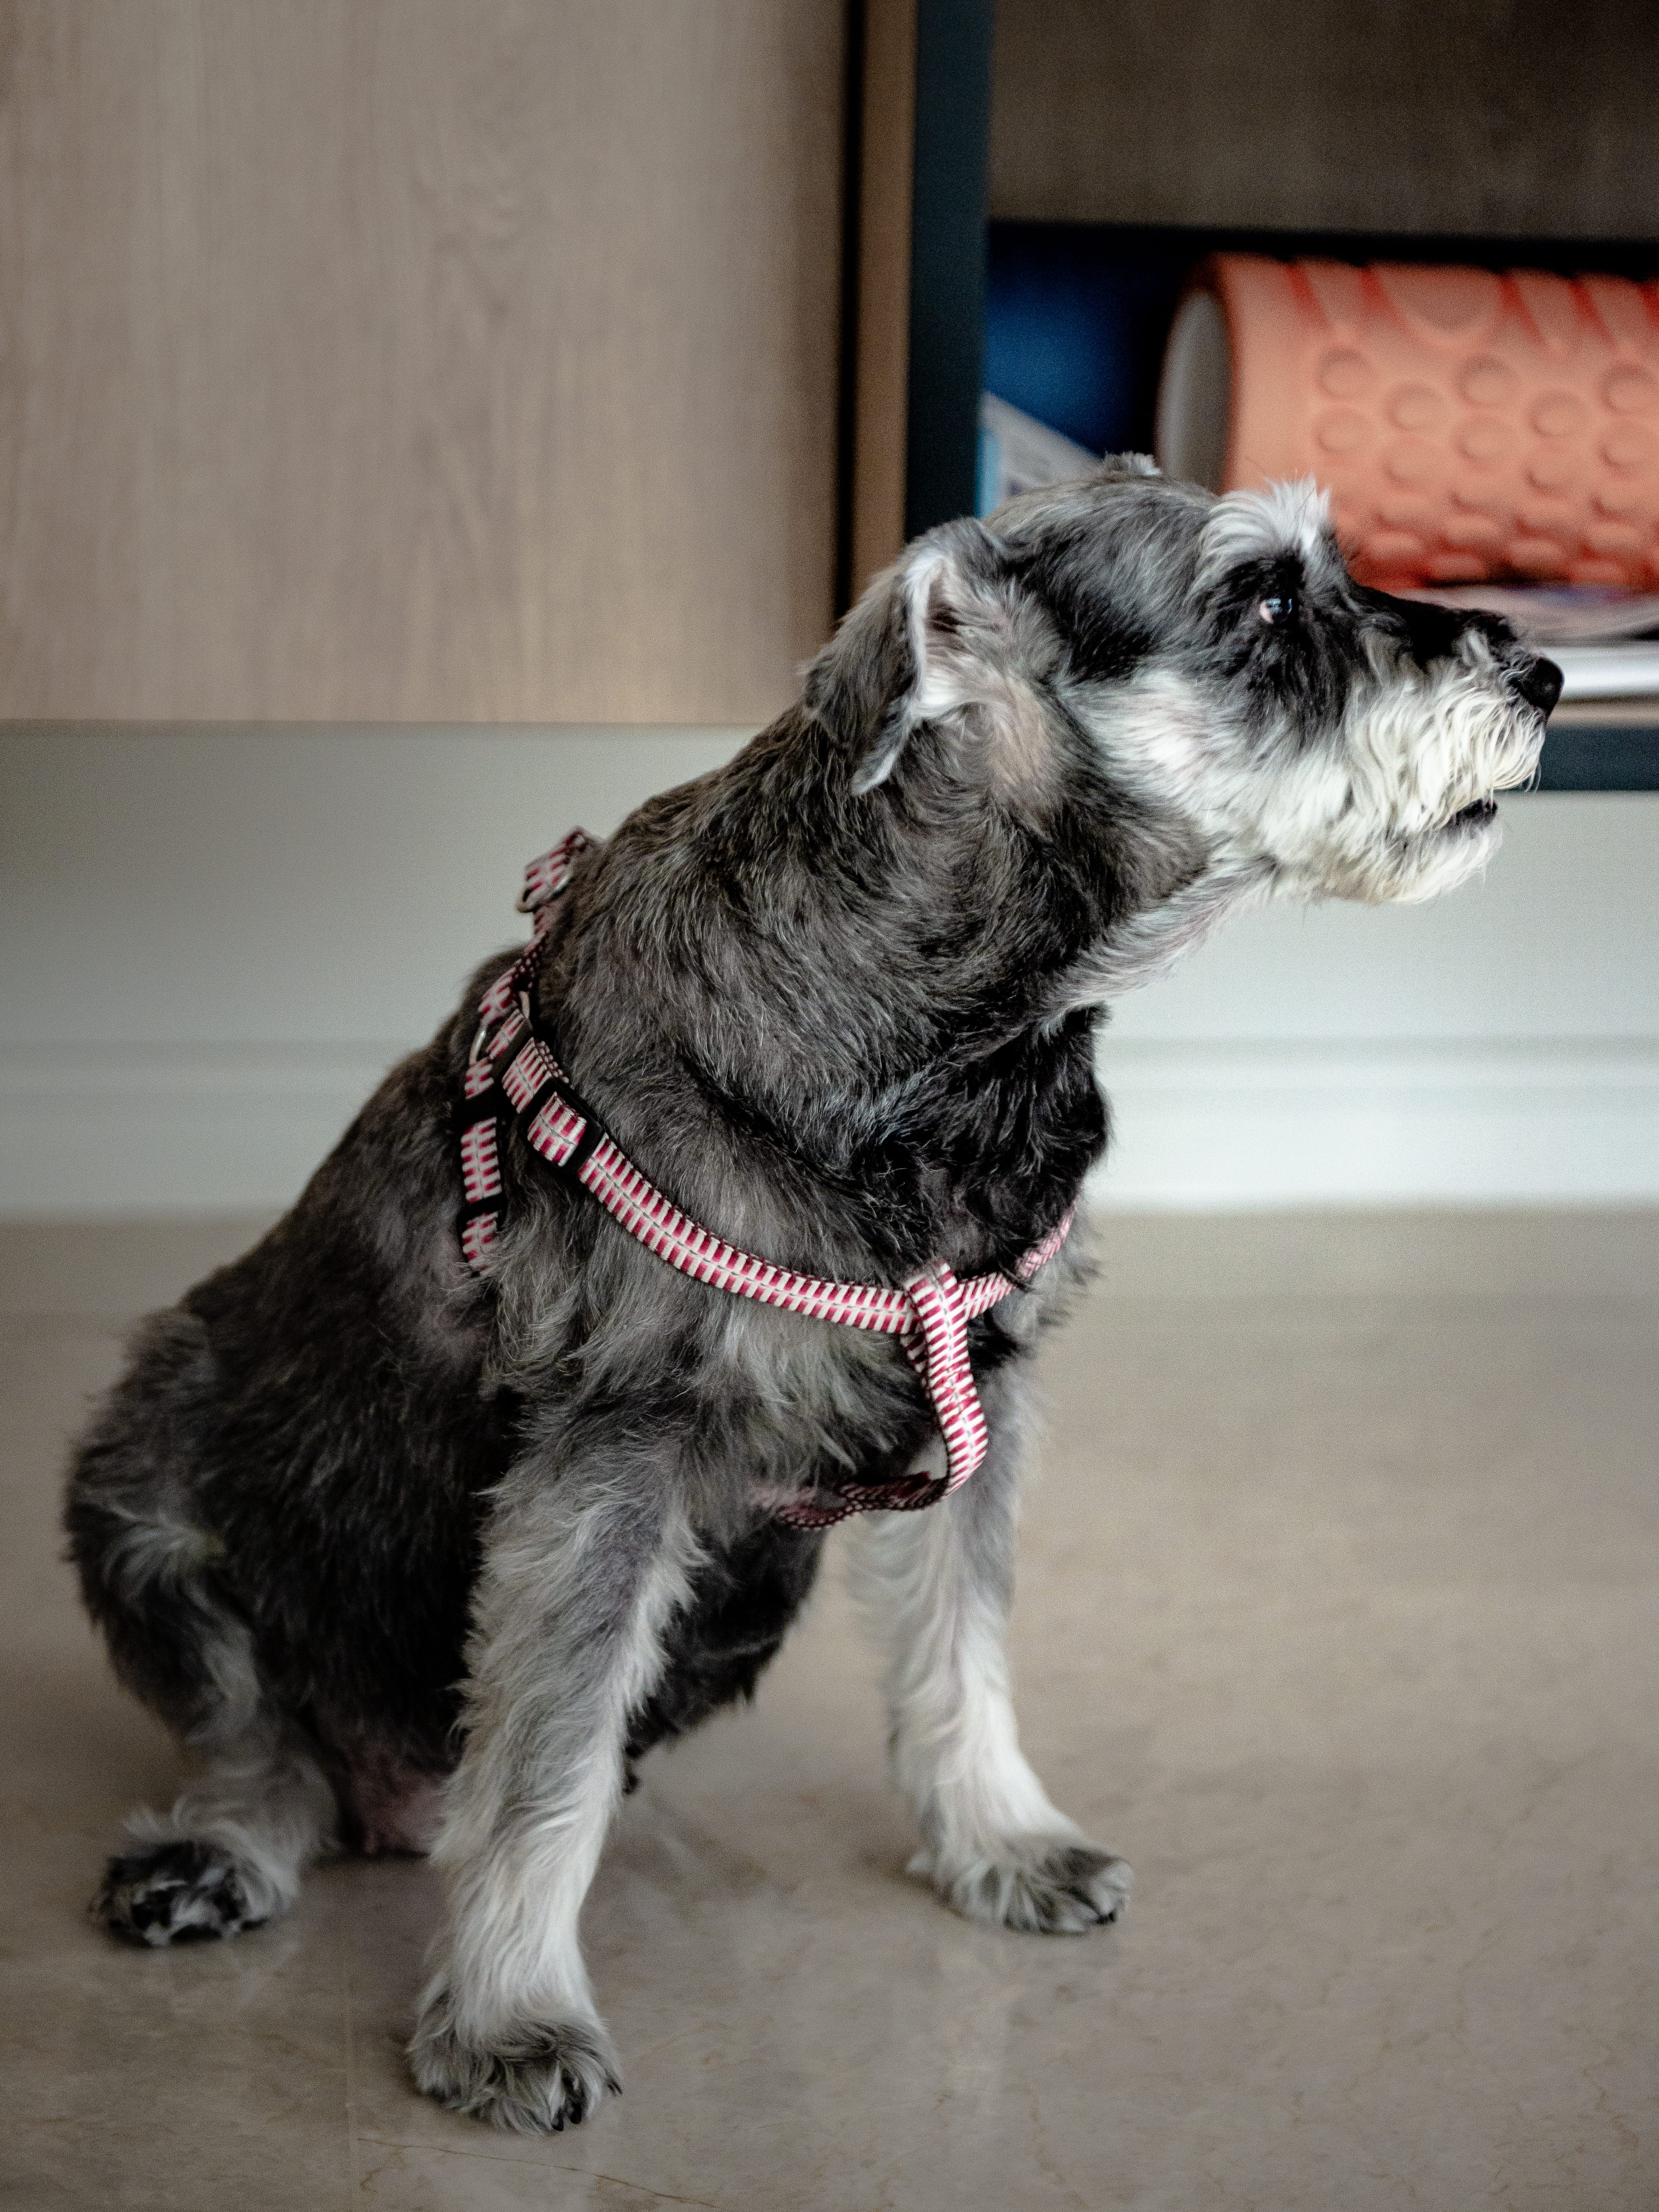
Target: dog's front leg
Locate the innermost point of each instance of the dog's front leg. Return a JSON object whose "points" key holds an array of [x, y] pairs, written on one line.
{"points": [[582, 1567], [936, 1585]]}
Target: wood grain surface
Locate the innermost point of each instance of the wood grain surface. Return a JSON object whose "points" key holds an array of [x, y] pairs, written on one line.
{"points": [[445, 360], [1528, 118]]}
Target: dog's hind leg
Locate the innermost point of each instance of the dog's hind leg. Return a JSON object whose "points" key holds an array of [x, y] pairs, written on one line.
{"points": [[584, 1567], [936, 1586], [230, 1852]]}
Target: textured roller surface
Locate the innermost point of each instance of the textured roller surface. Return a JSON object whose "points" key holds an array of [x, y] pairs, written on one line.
{"points": [[1468, 425]]}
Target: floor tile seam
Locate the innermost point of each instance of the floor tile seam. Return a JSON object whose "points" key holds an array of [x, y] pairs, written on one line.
{"points": [[557, 2166], [1366, 1301], [82, 1319], [353, 2165]]}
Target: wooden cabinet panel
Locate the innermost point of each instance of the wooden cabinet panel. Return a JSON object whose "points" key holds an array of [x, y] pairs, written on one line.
{"points": [[1530, 117], [447, 360]]}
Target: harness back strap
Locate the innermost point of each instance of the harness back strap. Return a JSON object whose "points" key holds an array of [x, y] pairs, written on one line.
{"points": [[929, 1314]]}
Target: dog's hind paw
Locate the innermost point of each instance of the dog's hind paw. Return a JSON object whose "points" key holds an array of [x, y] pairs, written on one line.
{"points": [[178, 1891], [532, 2078], [1046, 1885]]}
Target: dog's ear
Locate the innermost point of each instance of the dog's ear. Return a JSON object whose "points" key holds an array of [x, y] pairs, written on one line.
{"points": [[940, 632]]}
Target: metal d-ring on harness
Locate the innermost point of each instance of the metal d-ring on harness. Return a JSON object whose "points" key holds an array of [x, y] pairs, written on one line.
{"points": [[929, 1315]]}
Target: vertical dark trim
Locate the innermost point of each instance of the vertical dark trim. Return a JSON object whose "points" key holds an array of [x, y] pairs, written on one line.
{"points": [[1606, 757], [947, 258], [852, 223]]}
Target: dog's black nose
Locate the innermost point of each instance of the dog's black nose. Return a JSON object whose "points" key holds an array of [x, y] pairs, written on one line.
{"points": [[1540, 686]]}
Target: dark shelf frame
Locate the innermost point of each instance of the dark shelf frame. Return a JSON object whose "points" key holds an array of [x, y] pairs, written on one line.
{"points": [[949, 212], [1595, 754]]}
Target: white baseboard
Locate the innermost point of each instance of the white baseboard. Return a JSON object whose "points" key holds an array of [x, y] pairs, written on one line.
{"points": [[110, 1130], [1451, 1121]]}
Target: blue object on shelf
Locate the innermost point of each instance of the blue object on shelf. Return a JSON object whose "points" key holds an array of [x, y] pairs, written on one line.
{"points": [[988, 488], [1075, 322]]}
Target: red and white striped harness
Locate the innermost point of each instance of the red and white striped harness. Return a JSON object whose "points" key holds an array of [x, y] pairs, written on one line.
{"points": [[929, 1314]]}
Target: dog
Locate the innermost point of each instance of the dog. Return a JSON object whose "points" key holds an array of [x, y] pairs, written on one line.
{"points": [[419, 1554]]}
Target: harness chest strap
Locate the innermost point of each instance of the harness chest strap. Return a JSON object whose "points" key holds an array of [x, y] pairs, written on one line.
{"points": [[929, 1314]]}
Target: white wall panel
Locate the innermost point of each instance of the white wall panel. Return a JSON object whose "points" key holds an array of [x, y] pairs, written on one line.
{"points": [[212, 942]]}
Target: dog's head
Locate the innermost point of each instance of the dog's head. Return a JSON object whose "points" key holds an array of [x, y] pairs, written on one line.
{"points": [[1218, 666]]}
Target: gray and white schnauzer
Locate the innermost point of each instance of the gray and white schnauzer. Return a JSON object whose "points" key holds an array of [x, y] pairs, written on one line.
{"points": [[415, 1553]]}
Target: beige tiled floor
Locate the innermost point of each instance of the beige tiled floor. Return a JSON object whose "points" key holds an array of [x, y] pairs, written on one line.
{"points": [[1337, 1616]]}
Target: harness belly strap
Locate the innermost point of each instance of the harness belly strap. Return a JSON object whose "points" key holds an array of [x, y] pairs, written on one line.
{"points": [[929, 1314]]}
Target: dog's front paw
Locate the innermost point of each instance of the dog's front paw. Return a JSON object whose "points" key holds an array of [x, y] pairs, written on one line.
{"points": [[1048, 1885], [532, 2076]]}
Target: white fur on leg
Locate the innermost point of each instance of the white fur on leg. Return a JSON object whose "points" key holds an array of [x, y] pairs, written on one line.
{"points": [[932, 1583], [508, 2028]]}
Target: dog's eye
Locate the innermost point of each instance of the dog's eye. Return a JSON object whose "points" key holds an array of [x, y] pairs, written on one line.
{"points": [[1278, 609]]}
